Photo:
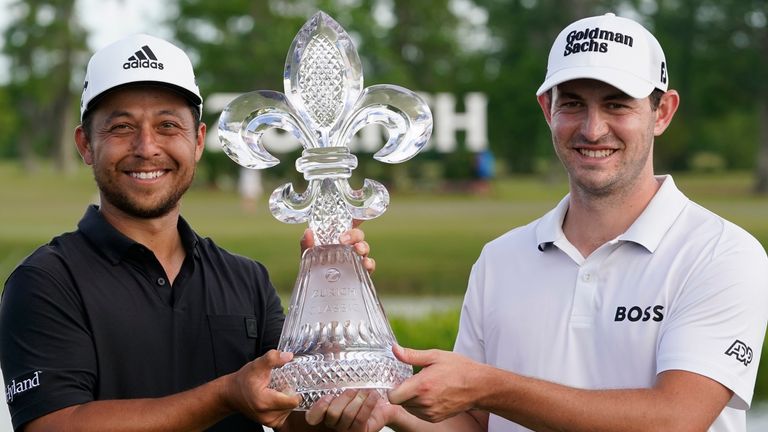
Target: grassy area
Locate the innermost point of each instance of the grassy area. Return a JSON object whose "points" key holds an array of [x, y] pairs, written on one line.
{"points": [[424, 244]]}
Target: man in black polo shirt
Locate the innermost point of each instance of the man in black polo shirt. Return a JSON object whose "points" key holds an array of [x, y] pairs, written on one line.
{"points": [[134, 322]]}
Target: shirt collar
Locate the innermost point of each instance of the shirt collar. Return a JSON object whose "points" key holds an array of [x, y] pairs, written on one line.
{"points": [[658, 217], [550, 227], [115, 245], [647, 230], [188, 237]]}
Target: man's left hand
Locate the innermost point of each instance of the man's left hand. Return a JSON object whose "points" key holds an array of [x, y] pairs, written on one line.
{"points": [[355, 237]]}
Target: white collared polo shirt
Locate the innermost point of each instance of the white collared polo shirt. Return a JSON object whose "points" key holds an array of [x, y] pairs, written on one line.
{"points": [[681, 289]]}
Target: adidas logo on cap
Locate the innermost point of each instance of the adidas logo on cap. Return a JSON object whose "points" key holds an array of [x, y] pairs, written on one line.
{"points": [[131, 60], [143, 58]]}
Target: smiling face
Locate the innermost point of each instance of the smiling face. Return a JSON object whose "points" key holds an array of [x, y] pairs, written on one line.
{"points": [[604, 137], [143, 145]]}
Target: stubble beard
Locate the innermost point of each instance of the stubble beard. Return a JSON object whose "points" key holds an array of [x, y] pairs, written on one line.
{"points": [[615, 184], [113, 194]]}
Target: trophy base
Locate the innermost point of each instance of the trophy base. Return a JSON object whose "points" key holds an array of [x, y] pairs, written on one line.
{"points": [[337, 331], [314, 376]]}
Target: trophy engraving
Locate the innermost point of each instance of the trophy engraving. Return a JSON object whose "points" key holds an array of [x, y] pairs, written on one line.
{"points": [[335, 325]]}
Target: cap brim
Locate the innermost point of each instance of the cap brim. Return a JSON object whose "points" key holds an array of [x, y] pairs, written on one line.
{"points": [[628, 83], [186, 94]]}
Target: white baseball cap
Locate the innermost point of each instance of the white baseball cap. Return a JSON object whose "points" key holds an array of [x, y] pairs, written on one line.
{"points": [[615, 50], [139, 59]]}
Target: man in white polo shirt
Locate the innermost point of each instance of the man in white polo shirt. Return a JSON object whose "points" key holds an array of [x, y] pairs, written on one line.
{"points": [[627, 307]]}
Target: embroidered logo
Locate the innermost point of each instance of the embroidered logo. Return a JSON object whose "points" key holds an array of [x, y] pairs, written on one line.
{"points": [[594, 40], [15, 388], [143, 58], [741, 351]]}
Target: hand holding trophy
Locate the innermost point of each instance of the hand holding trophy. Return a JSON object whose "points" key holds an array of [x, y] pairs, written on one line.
{"points": [[335, 325]]}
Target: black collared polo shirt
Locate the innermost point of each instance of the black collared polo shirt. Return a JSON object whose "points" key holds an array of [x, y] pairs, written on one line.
{"points": [[92, 316]]}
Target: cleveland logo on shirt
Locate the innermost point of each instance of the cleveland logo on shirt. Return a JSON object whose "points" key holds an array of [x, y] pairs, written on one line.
{"points": [[741, 351], [15, 388], [594, 40]]}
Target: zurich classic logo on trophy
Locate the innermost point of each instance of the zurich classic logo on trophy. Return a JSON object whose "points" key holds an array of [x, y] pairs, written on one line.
{"points": [[335, 326]]}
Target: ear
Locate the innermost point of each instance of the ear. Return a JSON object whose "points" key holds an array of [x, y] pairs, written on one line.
{"points": [[200, 145], [545, 102], [668, 105], [83, 145]]}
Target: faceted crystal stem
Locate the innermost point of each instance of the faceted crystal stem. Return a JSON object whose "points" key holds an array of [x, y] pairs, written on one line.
{"points": [[329, 216]]}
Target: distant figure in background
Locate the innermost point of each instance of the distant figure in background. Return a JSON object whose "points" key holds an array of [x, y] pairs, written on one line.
{"points": [[485, 170], [250, 189], [627, 307]]}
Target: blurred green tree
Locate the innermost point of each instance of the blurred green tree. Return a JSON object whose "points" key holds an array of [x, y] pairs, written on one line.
{"points": [[236, 46], [42, 44], [522, 32], [715, 51], [239, 45]]}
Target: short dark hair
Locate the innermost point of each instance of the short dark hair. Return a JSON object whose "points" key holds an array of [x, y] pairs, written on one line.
{"points": [[655, 98]]}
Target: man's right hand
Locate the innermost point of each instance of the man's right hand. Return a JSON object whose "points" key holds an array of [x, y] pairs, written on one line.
{"points": [[248, 392], [445, 386]]}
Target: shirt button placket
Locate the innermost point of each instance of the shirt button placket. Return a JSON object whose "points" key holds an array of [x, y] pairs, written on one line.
{"points": [[583, 302]]}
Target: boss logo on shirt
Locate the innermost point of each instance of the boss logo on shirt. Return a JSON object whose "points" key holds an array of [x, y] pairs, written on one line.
{"points": [[638, 313], [24, 383], [741, 351]]}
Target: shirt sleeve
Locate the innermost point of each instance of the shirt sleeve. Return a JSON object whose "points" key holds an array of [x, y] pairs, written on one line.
{"points": [[719, 319], [46, 350], [469, 340]]}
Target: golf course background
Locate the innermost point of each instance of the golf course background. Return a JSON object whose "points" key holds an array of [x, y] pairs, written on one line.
{"points": [[424, 245]]}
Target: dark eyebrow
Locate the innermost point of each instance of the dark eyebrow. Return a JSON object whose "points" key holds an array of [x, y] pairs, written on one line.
{"points": [[570, 95], [171, 112], [115, 114], [122, 113], [618, 96]]}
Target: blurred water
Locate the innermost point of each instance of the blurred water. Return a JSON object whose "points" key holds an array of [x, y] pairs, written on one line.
{"points": [[419, 306], [757, 418]]}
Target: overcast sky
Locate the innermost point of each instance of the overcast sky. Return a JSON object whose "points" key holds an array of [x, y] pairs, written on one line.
{"points": [[105, 20], [109, 20]]}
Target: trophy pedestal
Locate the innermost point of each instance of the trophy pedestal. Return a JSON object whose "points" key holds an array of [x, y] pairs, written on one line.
{"points": [[314, 377], [337, 330]]}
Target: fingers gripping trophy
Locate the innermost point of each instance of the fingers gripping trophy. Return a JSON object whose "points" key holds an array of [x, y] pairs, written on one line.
{"points": [[335, 325]]}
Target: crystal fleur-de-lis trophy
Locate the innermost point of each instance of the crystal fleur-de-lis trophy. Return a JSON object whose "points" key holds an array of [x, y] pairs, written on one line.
{"points": [[335, 325]]}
